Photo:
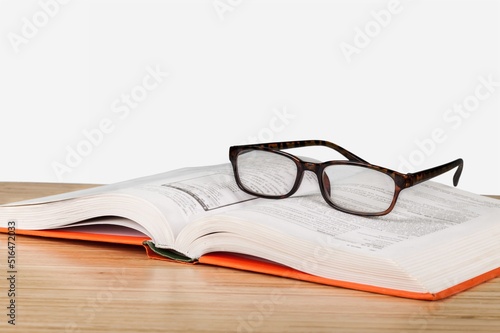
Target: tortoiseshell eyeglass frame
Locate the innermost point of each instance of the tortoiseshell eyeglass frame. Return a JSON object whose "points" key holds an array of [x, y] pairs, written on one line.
{"points": [[401, 180]]}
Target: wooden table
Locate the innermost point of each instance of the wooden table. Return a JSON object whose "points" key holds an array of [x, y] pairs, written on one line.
{"points": [[68, 286]]}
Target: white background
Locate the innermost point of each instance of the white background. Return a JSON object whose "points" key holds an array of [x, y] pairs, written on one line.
{"points": [[233, 66]]}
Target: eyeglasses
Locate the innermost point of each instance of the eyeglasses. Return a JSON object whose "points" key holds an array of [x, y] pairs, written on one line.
{"points": [[352, 186]]}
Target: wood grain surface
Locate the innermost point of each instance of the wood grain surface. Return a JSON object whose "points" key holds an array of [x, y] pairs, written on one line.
{"points": [[69, 286]]}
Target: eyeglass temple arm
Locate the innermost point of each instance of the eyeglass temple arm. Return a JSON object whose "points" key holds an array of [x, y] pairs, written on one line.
{"points": [[307, 143], [350, 156], [424, 175]]}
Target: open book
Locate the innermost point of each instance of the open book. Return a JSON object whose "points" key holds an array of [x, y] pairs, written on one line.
{"points": [[438, 240]]}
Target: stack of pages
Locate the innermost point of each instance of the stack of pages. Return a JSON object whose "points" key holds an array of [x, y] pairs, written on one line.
{"points": [[437, 241]]}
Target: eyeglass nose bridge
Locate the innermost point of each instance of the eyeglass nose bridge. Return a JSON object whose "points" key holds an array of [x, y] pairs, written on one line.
{"points": [[323, 180], [310, 166]]}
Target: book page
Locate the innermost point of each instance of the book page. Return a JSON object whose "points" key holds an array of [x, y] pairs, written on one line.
{"points": [[200, 192], [203, 192], [420, 211], [108, 225], [163, 204]]}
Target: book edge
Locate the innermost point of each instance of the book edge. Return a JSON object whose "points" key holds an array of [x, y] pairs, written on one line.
{"points": [[247, 263], [231, 260]]}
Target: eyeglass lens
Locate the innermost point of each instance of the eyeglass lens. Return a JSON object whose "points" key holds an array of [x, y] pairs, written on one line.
{"points": [[351, 187]]}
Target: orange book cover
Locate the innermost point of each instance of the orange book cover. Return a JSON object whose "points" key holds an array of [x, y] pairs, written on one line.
{"points": [[257, 265], [94, 237]]}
